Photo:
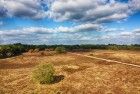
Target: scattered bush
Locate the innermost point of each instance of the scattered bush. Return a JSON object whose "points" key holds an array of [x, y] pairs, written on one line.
{"points": [[9, 54], [50, 49], [60, 50], [31, 51], [36, 50], [18, 48], [10, 50], [113, 47], [44, 73]]}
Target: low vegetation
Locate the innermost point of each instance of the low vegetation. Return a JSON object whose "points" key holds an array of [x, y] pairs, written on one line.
{"points": [[113, 47], [11, 50], [44, 74], [73, 74], [16, 49], [60, 50]]}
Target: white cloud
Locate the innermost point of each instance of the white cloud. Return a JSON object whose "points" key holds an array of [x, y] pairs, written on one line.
{"points": [[73, 10], [89, 11], [107, 29], [42, 30], [42, 34], [22, 8], [58, 36], [136, 30], [135, 4], [79, 28], [90, 14]]}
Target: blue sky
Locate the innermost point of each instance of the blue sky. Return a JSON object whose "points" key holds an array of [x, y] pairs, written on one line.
{"points": [[70, 21]]}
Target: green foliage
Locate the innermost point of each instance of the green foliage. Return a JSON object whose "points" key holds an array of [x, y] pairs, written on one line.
{"points": [[113, 47], [60, 49], [16, 49], [44, 73], [11, 50]]}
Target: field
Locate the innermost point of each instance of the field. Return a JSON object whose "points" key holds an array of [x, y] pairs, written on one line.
{"points": [[74, 74]]}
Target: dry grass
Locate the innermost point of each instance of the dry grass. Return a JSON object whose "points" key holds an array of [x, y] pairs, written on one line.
{"points": [[40, 53], [74, 75], [121, 55]]}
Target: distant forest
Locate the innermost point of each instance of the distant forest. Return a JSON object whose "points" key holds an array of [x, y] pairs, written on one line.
{"points": [[18, 48]]}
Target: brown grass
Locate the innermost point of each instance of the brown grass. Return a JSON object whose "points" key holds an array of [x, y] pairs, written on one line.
{"points": [[74, 75], [121, 55]]}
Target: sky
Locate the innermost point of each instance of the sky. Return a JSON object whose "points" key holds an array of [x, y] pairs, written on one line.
{"points": [[70, 22]]}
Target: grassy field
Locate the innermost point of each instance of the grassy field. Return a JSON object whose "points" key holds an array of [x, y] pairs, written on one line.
{"points": [[74, 74], [121, 55]]}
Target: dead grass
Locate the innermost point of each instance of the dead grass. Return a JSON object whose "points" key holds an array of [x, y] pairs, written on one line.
{"points": [[121, 55], [40, 53], [74, 75]]}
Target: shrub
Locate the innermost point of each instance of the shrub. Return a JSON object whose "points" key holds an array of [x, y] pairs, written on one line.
{"points": [[36, 50], [1, 55], [60, 50], [31, 51], [9, 54], [113, 47], [47, 49], [44, 73]]}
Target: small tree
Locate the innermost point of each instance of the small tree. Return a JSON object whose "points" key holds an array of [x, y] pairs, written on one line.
{"points": [[60, 50], [44, 73]]}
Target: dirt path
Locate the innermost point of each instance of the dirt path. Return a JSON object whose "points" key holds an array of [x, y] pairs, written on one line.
{"points": [[108, 60]]}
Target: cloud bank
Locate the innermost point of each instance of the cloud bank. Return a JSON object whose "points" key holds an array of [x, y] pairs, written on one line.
{"points": [[89, 11], [75, 10], [91, 15]]}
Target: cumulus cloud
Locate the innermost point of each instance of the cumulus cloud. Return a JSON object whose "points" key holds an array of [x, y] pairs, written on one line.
{"points": [[74, 10], [2, 10], [89, 11], [80, 28], [135, 4], [38, 35], [106, 29], [22, 8], [90, 14], [136, 31], [43, 30], [123, 37], [124, 33], [133, 33]]}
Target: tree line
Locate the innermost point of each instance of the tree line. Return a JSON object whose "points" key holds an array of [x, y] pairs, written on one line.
{"points": [[18, 48]]}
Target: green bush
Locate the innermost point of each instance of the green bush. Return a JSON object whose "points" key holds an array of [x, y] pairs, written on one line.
{"points": [[113, 47], [44, 73], [60, 50]]}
